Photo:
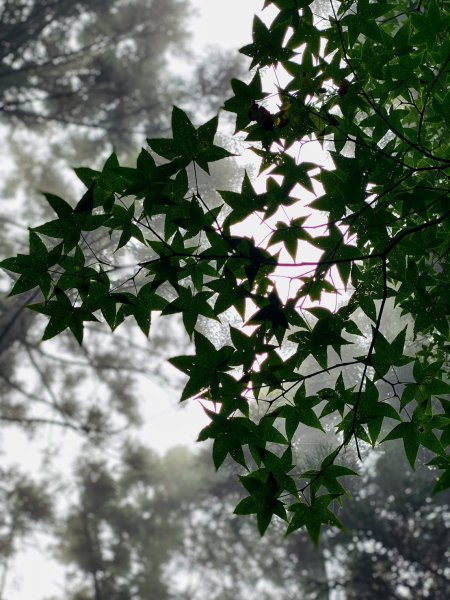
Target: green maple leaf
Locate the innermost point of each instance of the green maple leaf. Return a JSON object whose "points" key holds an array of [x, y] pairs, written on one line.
{"points": [[387, 355], [418, 432], [313, 516], [32, 268], [188, 143], [63, 314], [204, 367], [327, 476], [294, 415], [243, 203], [72, 222], [289, 234], [271, 314], [140, 306], [443, 483], [267, 47], [230, 434], [263, 500], [371, 412], [245, 96], [191, 306], [230, 293]]}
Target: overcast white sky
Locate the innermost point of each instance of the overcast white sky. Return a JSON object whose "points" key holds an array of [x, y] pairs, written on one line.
{"points": [[225, 22]]}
